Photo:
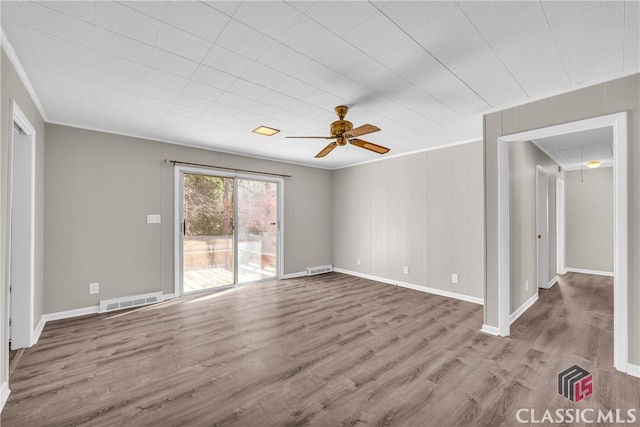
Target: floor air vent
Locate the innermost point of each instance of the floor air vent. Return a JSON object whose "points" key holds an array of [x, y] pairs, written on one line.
{"points": [[319, 269], [128, 302]]}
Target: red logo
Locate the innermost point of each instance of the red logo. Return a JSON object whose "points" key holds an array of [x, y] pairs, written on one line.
{"points": [[575, 383]]}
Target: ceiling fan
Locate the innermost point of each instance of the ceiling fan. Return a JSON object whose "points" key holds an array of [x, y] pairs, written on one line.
{"points": [[342, 131]]}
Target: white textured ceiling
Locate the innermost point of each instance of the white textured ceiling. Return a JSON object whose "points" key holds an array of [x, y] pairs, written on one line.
{"points": [[207, 73]]}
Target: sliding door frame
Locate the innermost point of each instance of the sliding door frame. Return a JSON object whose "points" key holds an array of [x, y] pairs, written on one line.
{"points": [[179, 172]]}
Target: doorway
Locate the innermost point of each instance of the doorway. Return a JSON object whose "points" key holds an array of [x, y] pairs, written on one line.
{"points": [[618, 123], [542, 227], [228, 229], [20, 274]]}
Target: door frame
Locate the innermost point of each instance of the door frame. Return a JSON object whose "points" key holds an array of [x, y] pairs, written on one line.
{"points": [[22, 318], [179, 171], [542, 243], [618, 123]]}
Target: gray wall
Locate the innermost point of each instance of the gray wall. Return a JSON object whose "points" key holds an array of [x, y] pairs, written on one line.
{"points": [[98, 191], [424, 211], [12, 88], [589, 219], [610, 97], [524, 157]]}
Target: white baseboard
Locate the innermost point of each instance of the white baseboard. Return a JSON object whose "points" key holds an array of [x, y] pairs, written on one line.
{"points": [[491, 330], [38, 331], [68, 314], [4, 394], [524, 307], [294, 275], [583, 271], [633, 370], [415, 287], [551, 283], [71, 313]]}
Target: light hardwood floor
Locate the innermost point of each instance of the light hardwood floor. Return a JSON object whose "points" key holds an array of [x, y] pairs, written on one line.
{"points": [[327, 350]]}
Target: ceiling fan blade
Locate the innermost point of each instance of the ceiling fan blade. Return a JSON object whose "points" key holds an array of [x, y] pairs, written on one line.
{"points": [[369, 146], [361, 130], [326, 150], [314, 137]]}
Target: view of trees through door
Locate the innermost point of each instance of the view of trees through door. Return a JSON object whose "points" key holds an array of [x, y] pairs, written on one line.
{"points": [[217, 252], [208, 249]]}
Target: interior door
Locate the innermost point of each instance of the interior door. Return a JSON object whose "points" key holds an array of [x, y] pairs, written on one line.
{"points": [[542, 227], [208, 244], [21, 263], [257, 229]]}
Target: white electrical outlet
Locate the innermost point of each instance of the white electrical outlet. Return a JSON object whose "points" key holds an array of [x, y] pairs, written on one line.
{"points": [[454, 278], [358, 261], [153, 219], [526, 285], [405, 269], [94, 288]]}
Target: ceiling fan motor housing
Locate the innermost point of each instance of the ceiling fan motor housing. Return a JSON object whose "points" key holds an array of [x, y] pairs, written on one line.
{"points": [[338, 128]]}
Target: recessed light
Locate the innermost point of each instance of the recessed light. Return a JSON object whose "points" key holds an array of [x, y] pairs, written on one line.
{"points": [[593, 164], [265, 130]]}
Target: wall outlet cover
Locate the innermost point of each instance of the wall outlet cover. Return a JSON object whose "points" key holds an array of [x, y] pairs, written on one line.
{"points": [[153, 219], [454, 278], [94, 288]]}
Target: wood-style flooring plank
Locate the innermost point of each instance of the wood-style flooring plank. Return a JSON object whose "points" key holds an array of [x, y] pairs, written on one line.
{"points": [[328, 350]]}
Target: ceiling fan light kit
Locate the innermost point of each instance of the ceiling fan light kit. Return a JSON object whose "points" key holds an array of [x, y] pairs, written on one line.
{"points": [[343, 132]]}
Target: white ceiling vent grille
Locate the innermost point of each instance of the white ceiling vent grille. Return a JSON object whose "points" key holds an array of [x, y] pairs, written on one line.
{"points": [[128, 302], [319, 269]]}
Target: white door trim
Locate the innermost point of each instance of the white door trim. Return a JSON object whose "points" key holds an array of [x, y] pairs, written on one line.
{"points": [[22, 328], [618, 122], [179, 171]]}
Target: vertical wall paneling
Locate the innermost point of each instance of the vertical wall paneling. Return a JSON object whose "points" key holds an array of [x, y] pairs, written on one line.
{"points": [[425, 212], [524, 157], [589, 219]]}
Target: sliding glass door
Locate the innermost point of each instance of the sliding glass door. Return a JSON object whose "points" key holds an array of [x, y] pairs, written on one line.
{"points": [[257, 230], [227, 229], [208, 243]]}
